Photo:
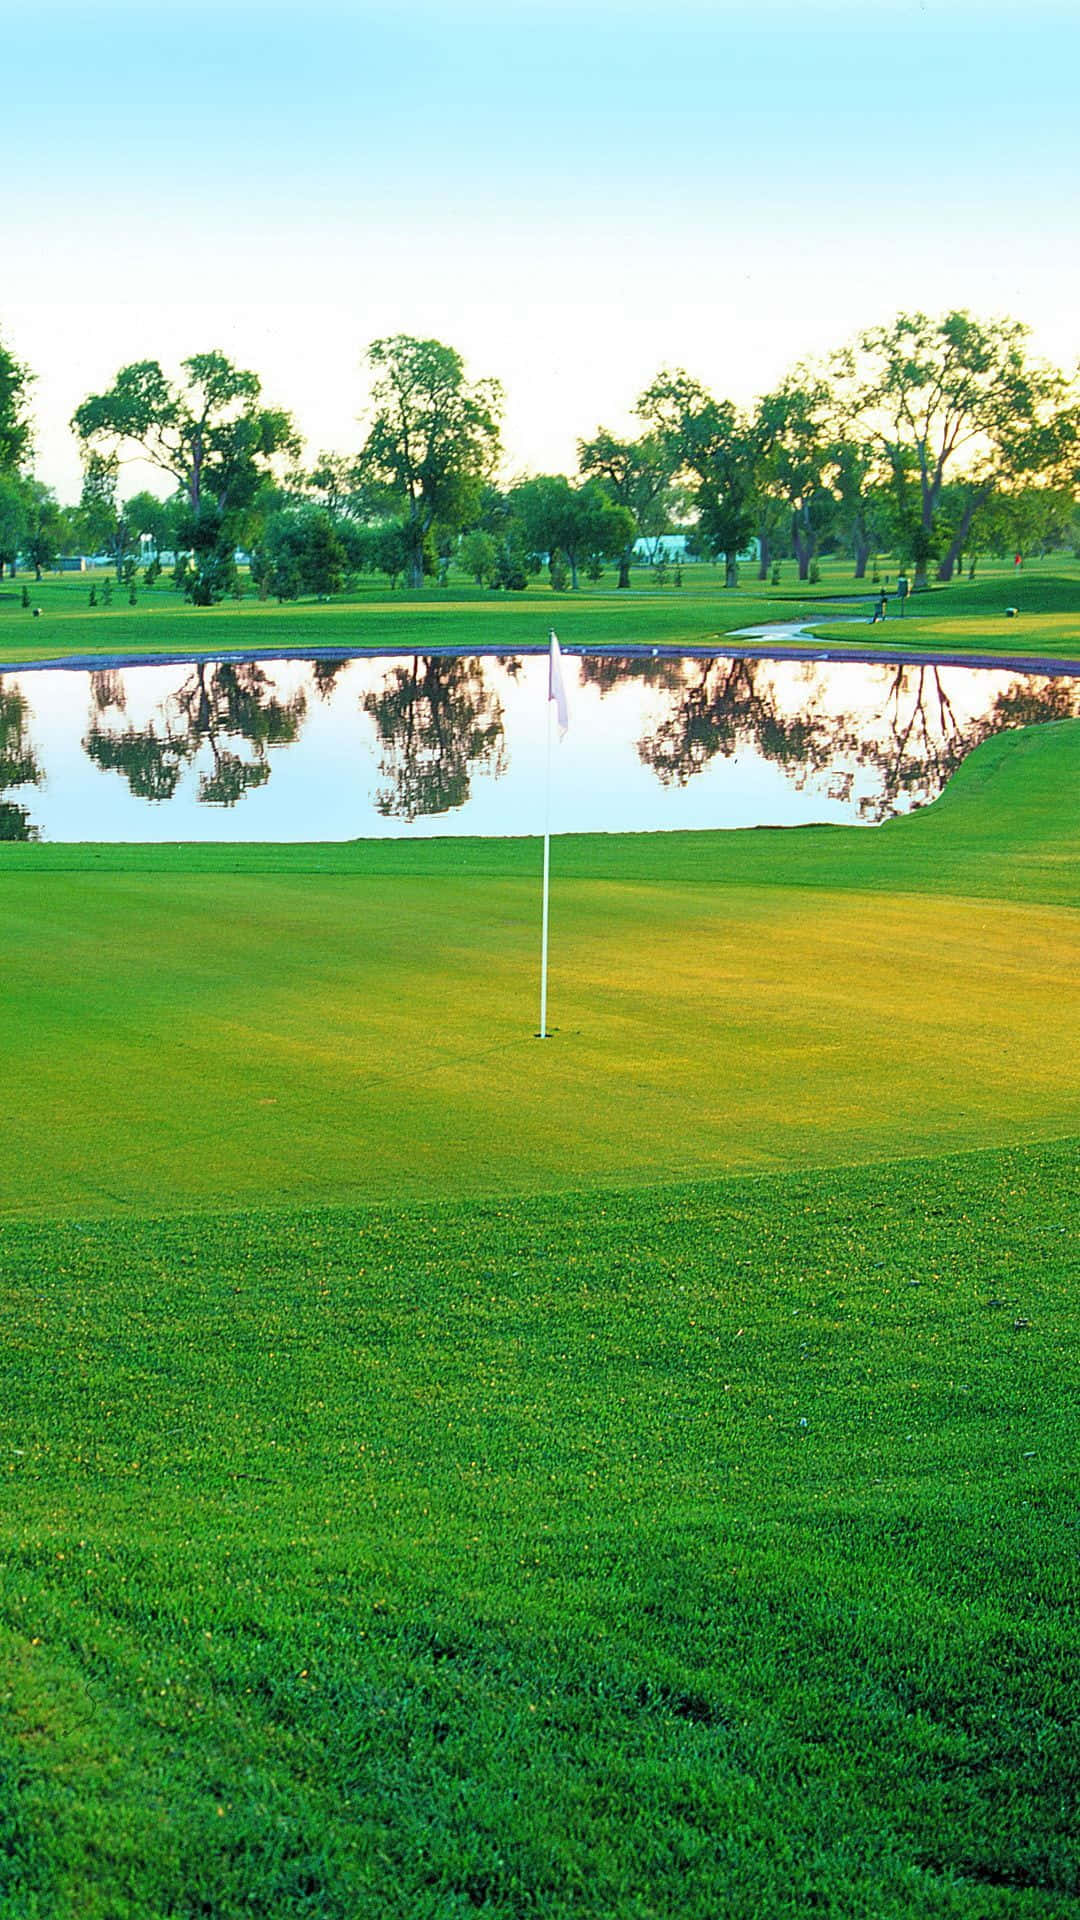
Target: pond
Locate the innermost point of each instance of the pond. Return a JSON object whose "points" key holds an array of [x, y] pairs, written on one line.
{"points": [[335, 749]]}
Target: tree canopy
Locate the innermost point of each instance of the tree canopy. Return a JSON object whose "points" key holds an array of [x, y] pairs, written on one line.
{"points": [[213, 436], [717, 448], [946, 397], [14, 412], [433, 438]]}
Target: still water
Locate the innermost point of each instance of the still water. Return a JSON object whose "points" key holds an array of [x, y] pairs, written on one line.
{"points": [[418, 745]]}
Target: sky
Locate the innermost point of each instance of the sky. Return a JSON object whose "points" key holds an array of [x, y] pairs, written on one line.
{"points": [[574, 195]]}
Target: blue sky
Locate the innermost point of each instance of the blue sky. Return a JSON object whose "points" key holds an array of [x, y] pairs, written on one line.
{"points": [[572, 195]]}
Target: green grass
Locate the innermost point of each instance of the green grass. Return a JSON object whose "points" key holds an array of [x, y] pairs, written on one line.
{"points": [[630, 1476], [693, 1552], [206, 1025], [698, 613]]}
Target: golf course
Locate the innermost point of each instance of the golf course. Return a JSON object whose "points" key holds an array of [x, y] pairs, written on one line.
{"points": [[630, 1474]]}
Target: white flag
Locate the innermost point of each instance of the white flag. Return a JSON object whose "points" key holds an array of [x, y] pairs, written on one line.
{"points": [[557, 687]]}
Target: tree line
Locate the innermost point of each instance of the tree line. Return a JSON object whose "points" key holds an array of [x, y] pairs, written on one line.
{"points": [[932, 439]]}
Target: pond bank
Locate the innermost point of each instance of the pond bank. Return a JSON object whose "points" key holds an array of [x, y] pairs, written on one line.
{"points": [[784, 640]]}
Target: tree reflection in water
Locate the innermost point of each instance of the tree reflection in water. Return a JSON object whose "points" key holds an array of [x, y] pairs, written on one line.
{"points": [[730, 704], [18, 765], [437, 724], [891, 742], [921, 742], [913, 744], [324, 676], [215, 705]]}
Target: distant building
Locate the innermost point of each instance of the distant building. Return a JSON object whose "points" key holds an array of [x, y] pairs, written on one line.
{"points": [[652, 548]]}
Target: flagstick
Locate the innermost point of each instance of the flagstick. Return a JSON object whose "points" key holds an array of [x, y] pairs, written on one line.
{"points": [[547, 876]]}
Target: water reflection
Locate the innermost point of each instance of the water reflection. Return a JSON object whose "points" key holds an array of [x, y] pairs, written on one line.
{"points": [[332, 749], [913, 745], [437, 723], [214, 706], [19, 765], [724, 706]]}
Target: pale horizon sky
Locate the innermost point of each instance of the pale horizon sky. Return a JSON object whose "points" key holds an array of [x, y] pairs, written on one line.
{"points": [[573, 196]]}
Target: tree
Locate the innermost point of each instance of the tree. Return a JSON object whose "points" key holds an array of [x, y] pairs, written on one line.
{"points": [[716, 448], [105, 527], [637, 475], [43, 526], [574, 523], [149, 517], [796, 454], [865, 507], [12, 520], [14, 417], [433, 438], [945, 397], [479, 556], [210, 433], [299, 552]]}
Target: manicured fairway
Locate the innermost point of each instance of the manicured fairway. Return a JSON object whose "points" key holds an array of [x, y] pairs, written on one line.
{"points": [[629, 1476], [960, 618]]}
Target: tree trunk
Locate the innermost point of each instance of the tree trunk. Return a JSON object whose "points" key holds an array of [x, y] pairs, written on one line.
{"points": [[415, 571], [624, 569], [731, 569], [804, 541], [949, 563], [862, 555], [763, 556]]}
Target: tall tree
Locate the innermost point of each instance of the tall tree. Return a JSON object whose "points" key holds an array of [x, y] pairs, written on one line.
{"points": [[716, 447], [106, 528], [155, 519], [299, 551], [12, 520], [795, 448], [637, 474], [210, 432], [43, 527], [14, 415], [947, 398], [865, 506], [433, 438]]}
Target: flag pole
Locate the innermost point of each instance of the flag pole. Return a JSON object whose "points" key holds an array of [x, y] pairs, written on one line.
{"points": [[547, 881], [556, 697]]}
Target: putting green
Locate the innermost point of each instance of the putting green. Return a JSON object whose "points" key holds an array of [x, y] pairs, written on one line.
{"points": [[208, 1038]]}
